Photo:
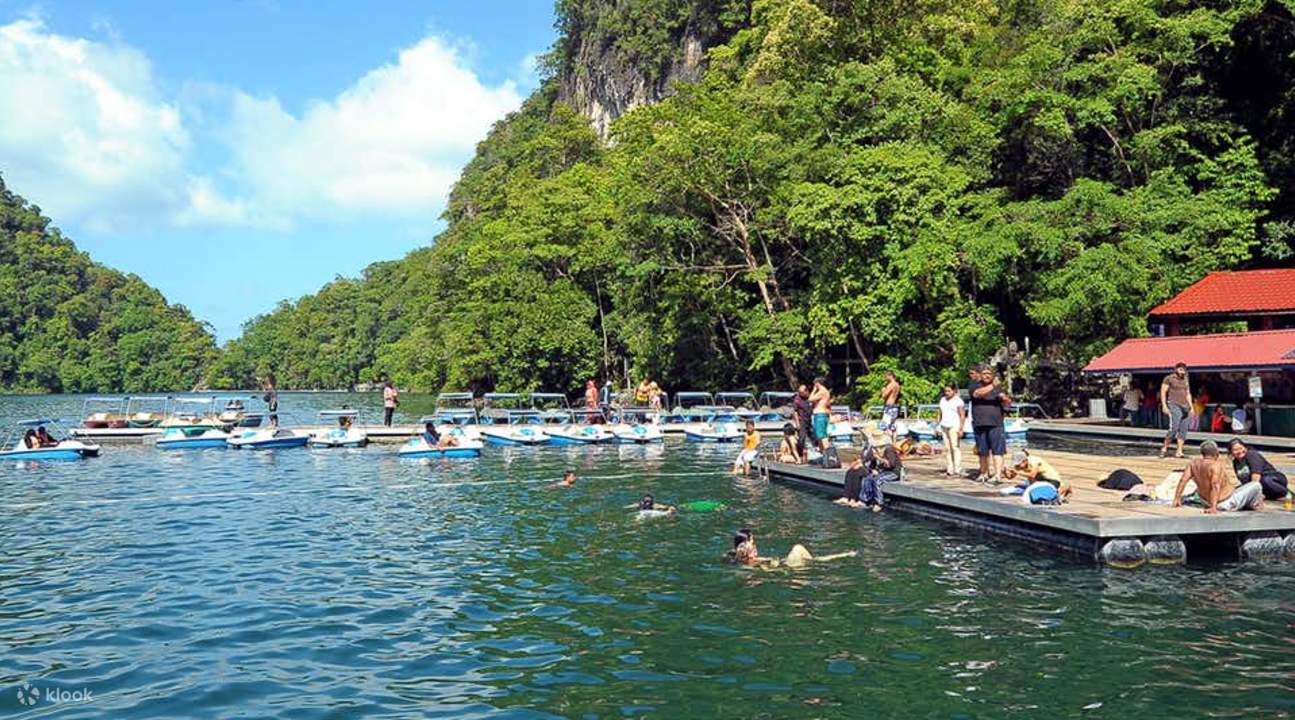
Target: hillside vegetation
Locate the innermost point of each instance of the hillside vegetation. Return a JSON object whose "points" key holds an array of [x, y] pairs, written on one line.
{"points": [[68, 324]]}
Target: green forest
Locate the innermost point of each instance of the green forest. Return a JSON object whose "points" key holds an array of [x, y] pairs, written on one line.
{"points": [[68, 324], [852, 186]]}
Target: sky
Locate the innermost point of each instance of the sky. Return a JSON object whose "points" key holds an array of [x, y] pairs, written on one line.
{"points": [[236, 153]]}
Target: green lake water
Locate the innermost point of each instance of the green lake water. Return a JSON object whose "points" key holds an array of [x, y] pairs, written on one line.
{"points": [[342, 584]]}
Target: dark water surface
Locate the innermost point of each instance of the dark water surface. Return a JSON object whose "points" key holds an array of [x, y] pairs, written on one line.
{"points": [[346, 584]]}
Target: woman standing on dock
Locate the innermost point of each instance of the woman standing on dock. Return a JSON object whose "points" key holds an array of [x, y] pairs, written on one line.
{"points": [[953, 417], [390, 399]]}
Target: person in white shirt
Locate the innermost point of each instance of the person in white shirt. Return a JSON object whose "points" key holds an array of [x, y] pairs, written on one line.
{"points": [[953, 415]]}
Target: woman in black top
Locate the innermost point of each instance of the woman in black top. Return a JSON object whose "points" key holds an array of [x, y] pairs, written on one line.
{"points": [[1250, 465]]}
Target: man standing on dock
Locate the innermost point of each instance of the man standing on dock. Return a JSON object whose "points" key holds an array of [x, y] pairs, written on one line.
{"points": [[1176, 402], [987, 401], [890, 404], [821, 397], [804, 410]]}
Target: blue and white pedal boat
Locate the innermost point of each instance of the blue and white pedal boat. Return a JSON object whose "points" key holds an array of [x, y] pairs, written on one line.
{"points": [[64, 450], [713, 433], [179, 439], [268, 439]]}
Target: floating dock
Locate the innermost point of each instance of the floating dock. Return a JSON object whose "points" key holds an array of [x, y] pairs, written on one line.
{"points": [[1095, 524], [377, 433]]}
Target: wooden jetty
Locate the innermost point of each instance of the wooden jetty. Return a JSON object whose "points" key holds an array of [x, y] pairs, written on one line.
{"points": [[1095, 523], [377, 433]]}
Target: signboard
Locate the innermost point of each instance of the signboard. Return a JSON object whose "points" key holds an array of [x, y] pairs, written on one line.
{"points": [[1256, 387]]}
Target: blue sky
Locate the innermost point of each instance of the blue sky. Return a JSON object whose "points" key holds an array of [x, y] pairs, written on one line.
{"points": [[238, 153]]}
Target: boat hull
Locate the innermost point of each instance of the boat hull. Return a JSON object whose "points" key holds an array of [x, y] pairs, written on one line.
{"points": [[278, 440], [515, 436], [66, 450], [193, 444], [637, 435]]}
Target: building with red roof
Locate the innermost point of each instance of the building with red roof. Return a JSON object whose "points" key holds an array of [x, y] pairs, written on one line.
{"points": [[1265, 299], [1250, 369]]}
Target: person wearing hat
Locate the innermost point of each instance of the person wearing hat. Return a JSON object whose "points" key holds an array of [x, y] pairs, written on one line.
{"points": [[1032, 469], [884, 465]]}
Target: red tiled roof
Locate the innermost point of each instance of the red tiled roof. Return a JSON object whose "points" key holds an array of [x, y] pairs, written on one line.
{"points": [[1249, 292], [1225, 351]]}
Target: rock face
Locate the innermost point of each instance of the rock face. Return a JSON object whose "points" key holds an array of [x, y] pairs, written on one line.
{"points": [[603, 81]]}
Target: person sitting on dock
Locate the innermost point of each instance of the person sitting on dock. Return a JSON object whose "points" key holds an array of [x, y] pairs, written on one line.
{"points": [[855, 472], [789, 448], [1032, 468], [884, 466], [750, 450], [1250, 465], [1213, 486]]}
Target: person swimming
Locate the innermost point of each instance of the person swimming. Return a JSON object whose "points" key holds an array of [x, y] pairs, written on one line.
{"points": [[647, 507], [568, 480], [745, 552]]}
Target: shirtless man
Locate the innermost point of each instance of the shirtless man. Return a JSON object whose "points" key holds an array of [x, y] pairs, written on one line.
{"points": [[890, 404], [1213, 485], [821, 398]]}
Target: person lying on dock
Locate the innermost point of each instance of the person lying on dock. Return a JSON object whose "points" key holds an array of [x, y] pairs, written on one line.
{"points": [[745, 552], [789, 449], [1207, 471], [1032, 468]]}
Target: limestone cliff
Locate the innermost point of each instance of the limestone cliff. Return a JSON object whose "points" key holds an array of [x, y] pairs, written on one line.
{"points": [[615, 55]]}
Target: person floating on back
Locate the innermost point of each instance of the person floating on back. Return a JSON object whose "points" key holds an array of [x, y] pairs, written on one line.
{"points": [[745, 552]]}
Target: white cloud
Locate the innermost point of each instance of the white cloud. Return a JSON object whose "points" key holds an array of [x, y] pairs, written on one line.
{"points": [[86, 133], [83, 128], [392, 143]]}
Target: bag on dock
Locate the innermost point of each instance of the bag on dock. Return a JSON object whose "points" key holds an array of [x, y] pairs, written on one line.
{"points": [[1119, 480], [828, 460]]}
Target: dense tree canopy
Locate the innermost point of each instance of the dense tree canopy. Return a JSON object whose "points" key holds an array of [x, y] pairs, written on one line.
{"points": [[854, 185], [70, 325]]}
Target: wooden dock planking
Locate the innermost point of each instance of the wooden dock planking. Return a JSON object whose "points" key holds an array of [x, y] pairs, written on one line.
{"points": [[1091, 520]]}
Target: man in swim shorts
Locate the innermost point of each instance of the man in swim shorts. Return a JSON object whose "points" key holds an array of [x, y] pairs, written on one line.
{"points": [[821, 398]]}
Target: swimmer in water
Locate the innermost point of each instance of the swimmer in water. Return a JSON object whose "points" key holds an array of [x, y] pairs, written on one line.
{"points": [[745, 552], [647, 507], [568, 480]]}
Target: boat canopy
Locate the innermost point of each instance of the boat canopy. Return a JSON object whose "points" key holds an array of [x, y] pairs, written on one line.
{"points": [[450, 398], [769, 398], [693, 398], [554, 400], [37, 422], [736, 399], [428, 420], [339, 413], [498, 399]]}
